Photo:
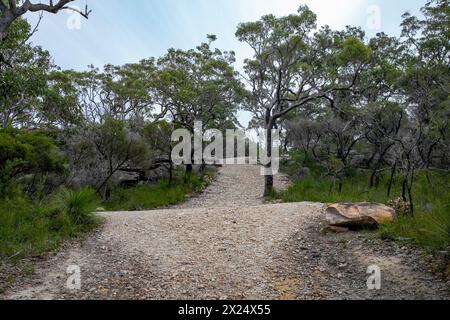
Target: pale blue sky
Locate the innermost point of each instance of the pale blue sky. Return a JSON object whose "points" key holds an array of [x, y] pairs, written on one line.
{"points": [[122, 31]]}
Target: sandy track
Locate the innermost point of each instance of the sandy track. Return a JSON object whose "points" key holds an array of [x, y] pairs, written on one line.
{"points": [[226, 244]]}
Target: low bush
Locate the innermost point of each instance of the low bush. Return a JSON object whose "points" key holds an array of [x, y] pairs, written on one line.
{"points": [[76, 205], [28, 228], [148, 197], [430, 225]]}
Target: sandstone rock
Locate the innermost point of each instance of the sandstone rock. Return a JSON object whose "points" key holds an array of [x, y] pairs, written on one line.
{"points": [[358, 215]]}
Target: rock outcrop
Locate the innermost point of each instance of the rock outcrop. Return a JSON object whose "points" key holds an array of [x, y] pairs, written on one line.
{"points": [[358, 215]]}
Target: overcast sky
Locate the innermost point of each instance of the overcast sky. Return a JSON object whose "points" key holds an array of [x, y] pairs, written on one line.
{"points": [[124, 31], [120, 31]]}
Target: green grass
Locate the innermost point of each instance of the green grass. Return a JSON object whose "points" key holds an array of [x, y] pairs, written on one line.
{"points": [[28, 228], [147, 197], [429, 227]]}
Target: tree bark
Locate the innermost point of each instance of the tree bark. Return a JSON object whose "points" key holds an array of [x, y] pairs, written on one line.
{"points": [[391, 181], [188, 173], [170, 170], [6, 19], [268, 187], [10, 12]]}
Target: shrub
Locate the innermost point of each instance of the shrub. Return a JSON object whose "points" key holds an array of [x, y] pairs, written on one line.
{"points": [[77, 205], [148, 197], [24, 228], [28, 228], [24, 152], [429, 227]]}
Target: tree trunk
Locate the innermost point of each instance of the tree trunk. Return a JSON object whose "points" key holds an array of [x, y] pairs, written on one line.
{"points": [[170, 170], [404, 188], [372, 178], [268, 188], [189, 168], [188, 173], [410, 193], [333, 183], [5, 22], [341, 184], [391, 181]]}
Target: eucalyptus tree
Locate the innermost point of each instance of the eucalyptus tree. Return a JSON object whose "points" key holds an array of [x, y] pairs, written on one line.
{"points": [[426, 80], [292, 67], [158, 136], [11, 10], [199, 85], [100, 152], [425, 86], [118, 92], [23, 77], [33, 91], [382, 108]]}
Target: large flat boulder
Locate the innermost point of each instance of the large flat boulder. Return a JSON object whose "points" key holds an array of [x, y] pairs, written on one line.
{"points": [[359, 215]]}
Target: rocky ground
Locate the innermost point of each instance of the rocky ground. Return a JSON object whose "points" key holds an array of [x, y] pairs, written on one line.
{"points": [[227, 244]]}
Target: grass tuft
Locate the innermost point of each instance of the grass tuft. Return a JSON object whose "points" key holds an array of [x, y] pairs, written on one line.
{"points": [[147, 197], [429, 227], [28, 228]]}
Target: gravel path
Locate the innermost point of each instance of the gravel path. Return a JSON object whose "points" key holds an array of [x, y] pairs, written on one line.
{"points": [[227, 244]]}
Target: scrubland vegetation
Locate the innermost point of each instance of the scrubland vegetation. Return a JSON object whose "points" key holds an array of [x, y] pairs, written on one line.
{"points": [[362, 119]]}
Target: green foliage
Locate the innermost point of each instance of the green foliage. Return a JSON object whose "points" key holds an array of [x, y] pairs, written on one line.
{"points": [[23, 77], [60, 102], [430, 226], [198, 85], [24, 228], [353, 50], [78, 205], [25, 152], [314, 189], [159, 134], [429, 230], [146, 197], [154, 196], [28, 228]]}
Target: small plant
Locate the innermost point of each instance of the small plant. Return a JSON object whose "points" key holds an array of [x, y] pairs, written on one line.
{"points": [[77, 205], [147, 197], [430, 225], [401, 207], [28, 228]]}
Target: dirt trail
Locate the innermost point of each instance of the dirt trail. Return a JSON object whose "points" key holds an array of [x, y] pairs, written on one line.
{"points": [[226, 244]]}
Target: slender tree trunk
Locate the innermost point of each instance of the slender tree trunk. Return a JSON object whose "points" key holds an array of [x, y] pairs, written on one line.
{"points": [[305, 158], [410, 193], [188, 173], [404, 188], [391, 181], [268, 188], [341, 184], [170, 170], [268, 191], [189, 168], [372, 178]]}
